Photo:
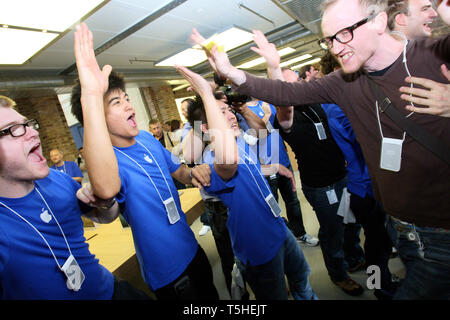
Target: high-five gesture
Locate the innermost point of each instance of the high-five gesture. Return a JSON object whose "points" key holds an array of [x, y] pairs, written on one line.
{"points": [[93, 80], [219, 60]]}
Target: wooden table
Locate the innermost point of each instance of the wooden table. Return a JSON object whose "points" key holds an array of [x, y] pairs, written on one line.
{"points": [[113, 244]]}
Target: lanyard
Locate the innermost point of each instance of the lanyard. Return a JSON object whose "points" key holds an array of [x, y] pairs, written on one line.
{"points": [[314, 113], [253, 176], [38, 232], [379, 123], [145, 171]]}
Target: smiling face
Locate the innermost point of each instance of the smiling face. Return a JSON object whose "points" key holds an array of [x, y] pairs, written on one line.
{"points": [[21, 159], [359, 51], [57, 157], [418, 21], [229, 116], [120, 118]]}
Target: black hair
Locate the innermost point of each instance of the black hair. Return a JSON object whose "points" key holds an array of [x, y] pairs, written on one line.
{"points": [[196, 111], [174, 124], [115, 81]]}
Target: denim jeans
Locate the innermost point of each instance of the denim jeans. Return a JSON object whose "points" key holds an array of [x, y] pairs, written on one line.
{"points": [[331, 231], [425, 253], [268, 280], [290, 198], [378, 245], [217, 217], [353, 253]]}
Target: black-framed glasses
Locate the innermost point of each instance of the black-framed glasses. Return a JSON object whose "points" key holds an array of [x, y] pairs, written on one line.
{"points": [[343, 36], [18, 130]]}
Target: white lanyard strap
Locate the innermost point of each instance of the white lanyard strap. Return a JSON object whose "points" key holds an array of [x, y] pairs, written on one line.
{"points": [[145, 171], [253, 176], [38, 232], [379, 122], [314, 113]]}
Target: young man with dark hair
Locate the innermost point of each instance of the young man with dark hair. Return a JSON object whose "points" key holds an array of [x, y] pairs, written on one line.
{"points": [[264, 247], [132, 166]]}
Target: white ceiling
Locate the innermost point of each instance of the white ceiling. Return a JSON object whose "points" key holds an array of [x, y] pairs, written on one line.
{"points": [[163, 37]]}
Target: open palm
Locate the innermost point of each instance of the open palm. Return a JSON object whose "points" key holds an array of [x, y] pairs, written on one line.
{"points": [[93, 80]]}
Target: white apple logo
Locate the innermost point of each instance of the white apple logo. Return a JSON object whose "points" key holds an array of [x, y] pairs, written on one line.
{"points": [[45, 216], [146, 158]]}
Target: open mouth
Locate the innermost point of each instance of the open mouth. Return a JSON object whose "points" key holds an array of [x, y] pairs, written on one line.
{"points": [[35, 153], [427, 26], [132, 120]]}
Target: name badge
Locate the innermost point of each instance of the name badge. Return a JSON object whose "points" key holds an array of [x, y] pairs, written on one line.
{"points": [[75, 277], [332, 197], [273, 205], [172, 210], [269, 127], [320, 131], [391, 154]]}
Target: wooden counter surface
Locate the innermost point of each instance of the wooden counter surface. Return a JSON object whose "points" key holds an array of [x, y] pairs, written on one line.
{"points": [[113, 245]]}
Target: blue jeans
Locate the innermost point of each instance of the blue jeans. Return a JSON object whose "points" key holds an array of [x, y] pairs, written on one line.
{"points": [[331, 231], [425, 253], [267, 280]]}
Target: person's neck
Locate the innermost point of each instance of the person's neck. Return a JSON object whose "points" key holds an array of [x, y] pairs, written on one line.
{"points": [[61, 163], [123, 142], [15, 189], [386, 55]]}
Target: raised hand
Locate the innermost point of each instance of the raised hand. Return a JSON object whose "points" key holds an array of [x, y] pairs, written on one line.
{"points": [[198, 83], [93, 80], [266, 49], [219, 60]]}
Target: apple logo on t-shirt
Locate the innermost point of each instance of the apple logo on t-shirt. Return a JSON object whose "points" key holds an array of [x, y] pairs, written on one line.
{"points": [[45, 216]]}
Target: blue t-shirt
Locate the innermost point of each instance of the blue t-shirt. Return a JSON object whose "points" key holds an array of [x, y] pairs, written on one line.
{"points": [[256, 234], [271, 149], [70, 168], [164, 250], [27, 267], [359, 182]]}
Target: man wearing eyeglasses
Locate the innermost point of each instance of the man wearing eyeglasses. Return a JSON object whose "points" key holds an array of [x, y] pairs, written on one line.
{"points": [[43, 254], [410, 181]]}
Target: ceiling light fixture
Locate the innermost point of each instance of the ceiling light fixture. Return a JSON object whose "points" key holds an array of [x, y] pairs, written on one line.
{"points": [[306, 63], [26, 32], [294, 60], [229, 40], [261, 60]]}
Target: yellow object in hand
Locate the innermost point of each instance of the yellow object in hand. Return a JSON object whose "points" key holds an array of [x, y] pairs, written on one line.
{"points": [[211, 44]]}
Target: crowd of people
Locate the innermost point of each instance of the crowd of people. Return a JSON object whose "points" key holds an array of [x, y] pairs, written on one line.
{"points": [[361, 168]]}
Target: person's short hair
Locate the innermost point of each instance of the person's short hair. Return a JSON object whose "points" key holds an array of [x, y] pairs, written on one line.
{"points": [[115, 81], [396, 7], [371, 6], [196, 112], [328, 63], [6, 102], [174, 125], [153, 121], [303, 70]]}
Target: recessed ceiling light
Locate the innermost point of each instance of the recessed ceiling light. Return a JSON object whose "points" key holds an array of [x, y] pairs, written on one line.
{"points": [[22, 44], [229, 39], [306, 63], [29, 26], [261, 60], [294, 60]]}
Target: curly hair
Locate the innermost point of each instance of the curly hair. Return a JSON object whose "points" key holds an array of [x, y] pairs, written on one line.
{"points": [[115, 81]]}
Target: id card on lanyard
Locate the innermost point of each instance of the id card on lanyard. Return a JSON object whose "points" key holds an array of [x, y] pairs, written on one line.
{"points": [[270, 199]]}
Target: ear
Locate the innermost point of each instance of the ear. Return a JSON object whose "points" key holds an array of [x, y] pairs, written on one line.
{"points": [[204, 127], [380, 22], [400, 19]]}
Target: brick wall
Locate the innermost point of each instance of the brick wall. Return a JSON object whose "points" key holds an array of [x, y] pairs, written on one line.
{"points": [[161, 103], [54, 131]]}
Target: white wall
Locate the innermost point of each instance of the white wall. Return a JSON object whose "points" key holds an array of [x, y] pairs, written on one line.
{"points": [[142, 118]]}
